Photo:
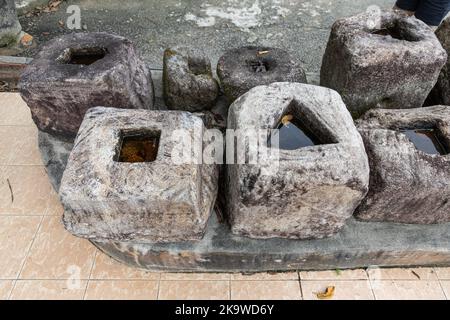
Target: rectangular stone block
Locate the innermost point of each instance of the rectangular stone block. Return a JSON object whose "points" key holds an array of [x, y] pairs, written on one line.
{"points": [[321, 174], [409, 165], [381, 60], [122, 183]]}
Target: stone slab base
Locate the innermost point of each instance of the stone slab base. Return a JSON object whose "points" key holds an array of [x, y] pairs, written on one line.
{"points": [[359, 244]]}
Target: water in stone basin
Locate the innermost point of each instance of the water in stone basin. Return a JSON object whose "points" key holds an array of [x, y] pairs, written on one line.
{"points": [[139, 148], [425, 140], [292, 134]]}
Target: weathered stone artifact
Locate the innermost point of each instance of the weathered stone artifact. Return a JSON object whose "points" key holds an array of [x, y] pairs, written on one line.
{"points": [[121, 182], [188, 82], [78, 71], [393, 62], [241, 69], [409, 165], [10, 28], [441, 92], [322, 173]]}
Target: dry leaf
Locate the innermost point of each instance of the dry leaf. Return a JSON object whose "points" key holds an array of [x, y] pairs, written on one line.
{"points": [[260, 53], [328, 294], [286, 119], [61, 23]]}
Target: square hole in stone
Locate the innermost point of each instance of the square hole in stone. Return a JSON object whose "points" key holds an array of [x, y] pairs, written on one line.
{"points": [[138, 146], [293, 134], [426, 140], [85, 56]]}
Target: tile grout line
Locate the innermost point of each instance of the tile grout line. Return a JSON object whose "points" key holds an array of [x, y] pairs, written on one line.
{"points": [[26, 257], [90, 274], [370, 284], [229, 288], [440, 284], [300, 285]]}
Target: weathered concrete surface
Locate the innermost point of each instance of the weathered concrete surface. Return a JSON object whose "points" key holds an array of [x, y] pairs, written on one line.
{"points": [[244, 68], [358, 244], [389, 63], [406, 184], [188, 80], [441, 92], [298, 26], [159, 201], [59, 92], [10, 28], [314, 190]]}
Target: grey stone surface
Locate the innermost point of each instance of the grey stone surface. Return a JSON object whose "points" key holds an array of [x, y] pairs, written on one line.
{"points": [[59, 93], [10, 28], [393, 70], [315, 189], [158, 201], [54, 153], [188, 81], [406, 185], [441, 92], [244, 68], [358, 244]]}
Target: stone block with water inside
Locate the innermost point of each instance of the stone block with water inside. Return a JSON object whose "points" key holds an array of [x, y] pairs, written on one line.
{"points": [[243, 68], [77, 71], [122, 183], [409, 165], [188, 82], [321, 172], [386, 61]]}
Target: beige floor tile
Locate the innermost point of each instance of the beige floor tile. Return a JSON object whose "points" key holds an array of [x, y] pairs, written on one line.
{"points": [[407, 290], [195, 276], [122, 290], [14, 111], [107, 268], [56, 254], [16, 236], [5, 288], [265, 290], [443, 273], [48, 290], [265, 276], [19, 146], [192, 290], [402, 274], [356, 274], [30, 194], [344, 289], [446, 287]]}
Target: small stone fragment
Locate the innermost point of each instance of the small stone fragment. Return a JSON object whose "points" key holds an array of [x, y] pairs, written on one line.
{"points": [[188, 81]]}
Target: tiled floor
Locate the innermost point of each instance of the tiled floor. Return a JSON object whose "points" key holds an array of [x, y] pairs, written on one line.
{"points": [[40, 260]]}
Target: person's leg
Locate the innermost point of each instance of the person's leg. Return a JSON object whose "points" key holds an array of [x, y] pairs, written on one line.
{"points": [[408, 6], [432, 12]]}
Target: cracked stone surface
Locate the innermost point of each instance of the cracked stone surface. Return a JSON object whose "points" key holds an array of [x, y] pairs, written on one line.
{"points": [[142, 202], [10, 28], [390, 64], [244, 68], [407, 185], [188, 80], [60, 91], [315, 189], [441, 92]]}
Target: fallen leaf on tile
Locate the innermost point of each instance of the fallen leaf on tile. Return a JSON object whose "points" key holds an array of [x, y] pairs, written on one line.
{"points": [[416, 274], [328, 294]]}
